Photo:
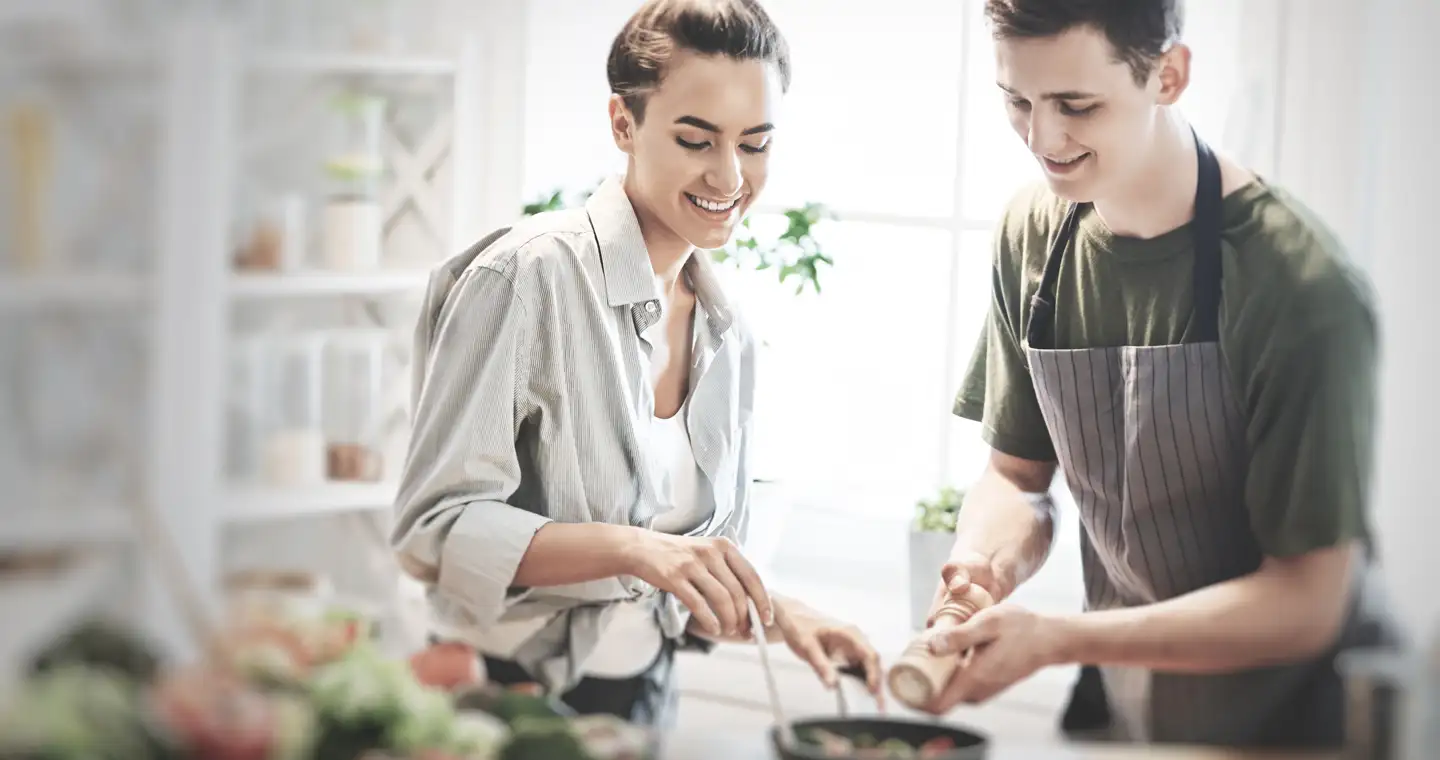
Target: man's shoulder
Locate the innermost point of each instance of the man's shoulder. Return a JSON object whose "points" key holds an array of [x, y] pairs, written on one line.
{"points": [[1289, 265]]}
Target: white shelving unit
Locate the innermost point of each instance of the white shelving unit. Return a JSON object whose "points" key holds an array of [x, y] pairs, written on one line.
{"points": [[187, 298], [255, 504], [46, 290], [266, 286]]}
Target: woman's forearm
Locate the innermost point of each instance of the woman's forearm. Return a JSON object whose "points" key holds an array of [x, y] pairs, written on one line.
{"points": [[563, 553]]}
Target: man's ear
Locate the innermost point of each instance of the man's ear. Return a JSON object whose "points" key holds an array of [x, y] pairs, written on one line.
{"points": [[622, 125], [1172, 74]]}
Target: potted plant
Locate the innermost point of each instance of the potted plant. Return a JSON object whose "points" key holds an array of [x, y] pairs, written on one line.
{"points": [[932, 534]]}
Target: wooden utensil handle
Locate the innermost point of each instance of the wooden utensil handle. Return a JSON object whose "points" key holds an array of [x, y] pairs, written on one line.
{"points": [[918, 676]]}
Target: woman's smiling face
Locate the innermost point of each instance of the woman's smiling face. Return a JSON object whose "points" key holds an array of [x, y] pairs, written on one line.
{"points": [[700, 150]]}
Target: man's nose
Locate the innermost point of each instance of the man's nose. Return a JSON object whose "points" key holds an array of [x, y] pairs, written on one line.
{"points": [[1046, 134]]}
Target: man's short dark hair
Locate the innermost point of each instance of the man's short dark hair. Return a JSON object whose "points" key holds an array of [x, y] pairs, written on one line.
{"points": [[1139, 30], [738, 29]]}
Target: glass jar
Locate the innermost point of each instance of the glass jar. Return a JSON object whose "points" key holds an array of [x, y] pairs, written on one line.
{"points": [[353, 218], [375, 26], [292, 436], [354, 404], [277, 239]]}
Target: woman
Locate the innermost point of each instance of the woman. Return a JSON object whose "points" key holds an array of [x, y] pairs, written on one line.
{"points": [[577, 482]]}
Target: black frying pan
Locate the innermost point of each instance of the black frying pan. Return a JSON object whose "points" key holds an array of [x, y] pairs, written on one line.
{"points": [[968, 744]]}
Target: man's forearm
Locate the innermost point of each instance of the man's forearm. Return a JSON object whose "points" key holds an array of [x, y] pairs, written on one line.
{"points": [[1273, 616], [1010, 527], [563, 553]]}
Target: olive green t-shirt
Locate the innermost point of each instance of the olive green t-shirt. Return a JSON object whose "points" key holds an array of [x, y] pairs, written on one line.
{"points": [[1298, 336]]}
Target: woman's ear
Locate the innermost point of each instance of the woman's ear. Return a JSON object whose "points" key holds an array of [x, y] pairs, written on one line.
{"points": [[1172, 72], [622, 125]]}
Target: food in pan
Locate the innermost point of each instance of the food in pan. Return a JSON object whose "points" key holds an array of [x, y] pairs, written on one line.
{"points": [[866, 747]]}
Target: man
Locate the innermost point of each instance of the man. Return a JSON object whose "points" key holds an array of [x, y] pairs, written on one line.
{"points": [[1186, 342]]}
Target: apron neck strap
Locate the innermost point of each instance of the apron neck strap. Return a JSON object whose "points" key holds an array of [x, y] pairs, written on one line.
{"points": [[1205, 228]]}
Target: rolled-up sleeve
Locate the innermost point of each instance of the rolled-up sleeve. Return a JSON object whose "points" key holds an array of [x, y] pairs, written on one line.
{"points": [[454, 528]]}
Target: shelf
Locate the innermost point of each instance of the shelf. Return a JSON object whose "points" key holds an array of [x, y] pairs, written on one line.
{"points": [[351, 64], [38, 609], [258, 286], [54, 528], [258, 504], [32, 291], [90, 58]]}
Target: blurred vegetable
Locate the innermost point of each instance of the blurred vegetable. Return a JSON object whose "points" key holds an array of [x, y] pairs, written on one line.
{"points": [[99, 643], [542, 739], [77, 712]]}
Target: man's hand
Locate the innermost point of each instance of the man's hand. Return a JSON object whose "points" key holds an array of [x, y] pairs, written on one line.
{"points": [[823, 641], [966, 568], [1010, 643]]}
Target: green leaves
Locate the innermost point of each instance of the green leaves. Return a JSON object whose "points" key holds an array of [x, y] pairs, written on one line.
{"points": [[938, 515], [795, 254]]}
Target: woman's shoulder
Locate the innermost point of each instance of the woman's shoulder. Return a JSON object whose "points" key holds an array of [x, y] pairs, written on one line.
{"points": [[531, 257]]}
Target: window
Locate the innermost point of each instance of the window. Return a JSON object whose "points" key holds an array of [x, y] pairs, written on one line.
{"points": [[893, 111]]}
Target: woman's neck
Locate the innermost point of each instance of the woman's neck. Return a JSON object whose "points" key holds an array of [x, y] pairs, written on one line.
{"points": [[668, 252]]}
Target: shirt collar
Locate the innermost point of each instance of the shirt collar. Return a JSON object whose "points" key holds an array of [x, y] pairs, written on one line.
{"points": [[629, 280]]}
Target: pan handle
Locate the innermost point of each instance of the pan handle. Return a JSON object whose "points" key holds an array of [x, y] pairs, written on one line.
{"points": [[856, 672]]}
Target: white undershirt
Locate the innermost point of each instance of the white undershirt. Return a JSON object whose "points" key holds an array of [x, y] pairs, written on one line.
{"points": [[633, 638]]}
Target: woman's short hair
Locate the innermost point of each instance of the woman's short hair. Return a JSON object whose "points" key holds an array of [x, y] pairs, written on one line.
{"points": [[641, 52]]}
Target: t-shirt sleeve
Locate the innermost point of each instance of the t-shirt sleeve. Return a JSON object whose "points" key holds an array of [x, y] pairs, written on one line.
{"points": [[1311, 431], [997, 391]]}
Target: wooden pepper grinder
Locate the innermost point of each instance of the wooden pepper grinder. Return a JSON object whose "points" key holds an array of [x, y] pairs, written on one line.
{"points": [[918, 676]]}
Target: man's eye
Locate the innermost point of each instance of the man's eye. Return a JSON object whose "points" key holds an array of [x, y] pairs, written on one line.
{"points": [[1070, 110], [687, 145]]}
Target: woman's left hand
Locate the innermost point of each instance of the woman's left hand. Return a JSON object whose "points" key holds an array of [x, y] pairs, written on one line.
{"points": [[822, 641]]}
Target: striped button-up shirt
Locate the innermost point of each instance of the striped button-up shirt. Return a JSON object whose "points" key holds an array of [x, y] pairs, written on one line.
{"points": [[532, 403]]}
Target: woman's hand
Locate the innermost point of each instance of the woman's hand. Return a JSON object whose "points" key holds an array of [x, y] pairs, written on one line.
{"points": [[708, 575], [821, 641]]}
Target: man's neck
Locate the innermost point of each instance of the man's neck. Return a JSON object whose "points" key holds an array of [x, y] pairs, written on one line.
{"points": [[1161, 197]]}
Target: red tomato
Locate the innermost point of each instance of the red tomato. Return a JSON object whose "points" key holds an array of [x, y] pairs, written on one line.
{"points": [[215, 717], [448, 665]]}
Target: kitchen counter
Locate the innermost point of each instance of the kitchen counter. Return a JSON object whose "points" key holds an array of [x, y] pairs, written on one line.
{"points": [[733, 745]]}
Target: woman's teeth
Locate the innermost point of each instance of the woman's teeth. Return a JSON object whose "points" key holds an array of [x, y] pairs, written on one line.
{"points": [[712, 206]]}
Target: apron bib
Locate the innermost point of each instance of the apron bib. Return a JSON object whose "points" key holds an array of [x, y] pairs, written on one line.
{"points": [[1151, 441]]}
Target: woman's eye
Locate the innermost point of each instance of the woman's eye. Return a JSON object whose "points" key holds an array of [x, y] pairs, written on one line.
{"points": [[761, 148], [687, 145], [1019, 103]]}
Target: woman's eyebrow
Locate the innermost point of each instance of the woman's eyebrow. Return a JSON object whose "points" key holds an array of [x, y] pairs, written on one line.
{"points": [[699, 123]]}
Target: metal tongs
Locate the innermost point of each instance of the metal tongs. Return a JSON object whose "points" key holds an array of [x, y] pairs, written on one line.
{"points": [[757, 631]]}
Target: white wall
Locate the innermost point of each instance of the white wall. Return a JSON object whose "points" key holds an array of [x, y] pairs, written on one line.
{"points": [[1394, 193]]}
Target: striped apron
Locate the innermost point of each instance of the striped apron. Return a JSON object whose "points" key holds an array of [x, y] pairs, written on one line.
{"points": [[1151, 441]]}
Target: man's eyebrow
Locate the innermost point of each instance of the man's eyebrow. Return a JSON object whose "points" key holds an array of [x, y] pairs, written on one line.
{"points": [[1066, 95], [699, 123]]}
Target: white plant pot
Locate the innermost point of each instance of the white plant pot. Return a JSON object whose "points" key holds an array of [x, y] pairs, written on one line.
{"points": [[928, 553]]}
